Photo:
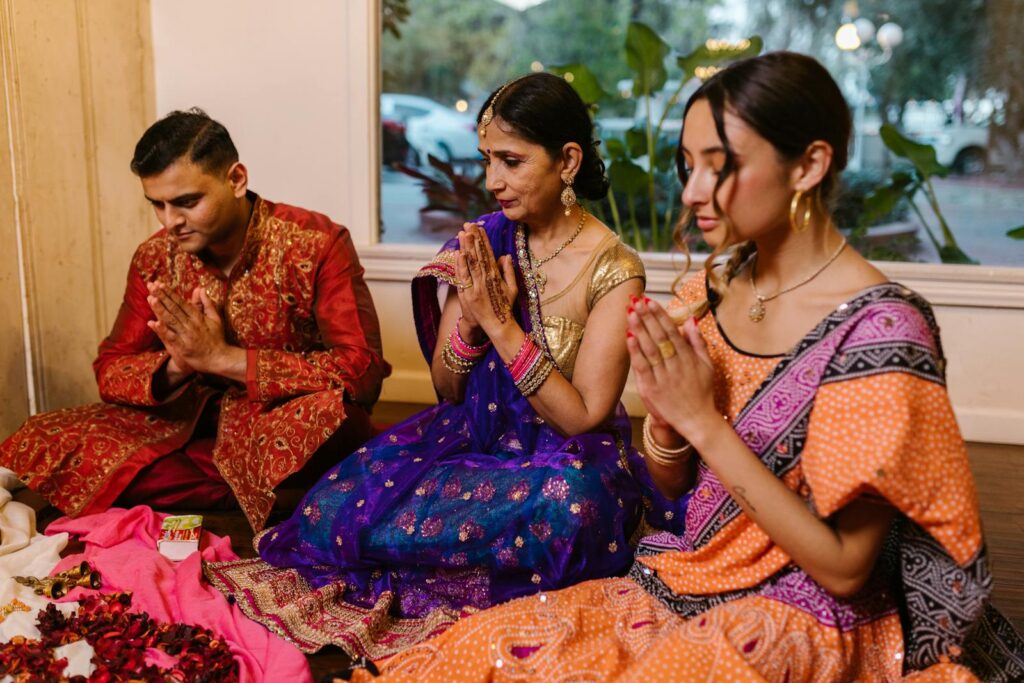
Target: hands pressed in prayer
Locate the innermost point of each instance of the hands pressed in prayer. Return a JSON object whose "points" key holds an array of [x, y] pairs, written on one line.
{"points": [[192, 332], [488, 286], [672, 367]]}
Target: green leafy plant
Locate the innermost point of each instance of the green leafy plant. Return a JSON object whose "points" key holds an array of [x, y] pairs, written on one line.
{"points": [[1016, 233], [640, 165], [897, 243], [908, 185], [854, 188], [393, 13]]}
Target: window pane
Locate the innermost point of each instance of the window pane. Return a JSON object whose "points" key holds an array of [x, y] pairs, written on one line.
{"points": [[945, 73]]}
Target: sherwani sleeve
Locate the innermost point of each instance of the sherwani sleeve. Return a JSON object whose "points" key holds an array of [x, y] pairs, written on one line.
{"points": [[132, 354], [350, 333]]}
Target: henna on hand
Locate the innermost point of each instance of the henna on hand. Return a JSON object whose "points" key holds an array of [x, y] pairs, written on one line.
{"points": [[496, 295], [493, 279]]}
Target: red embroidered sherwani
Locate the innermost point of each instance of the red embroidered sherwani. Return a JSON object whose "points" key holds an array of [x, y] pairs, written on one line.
{"points": [[296, 301]]}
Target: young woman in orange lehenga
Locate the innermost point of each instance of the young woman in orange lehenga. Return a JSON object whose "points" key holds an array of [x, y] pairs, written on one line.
{"points": [[832, 531]]}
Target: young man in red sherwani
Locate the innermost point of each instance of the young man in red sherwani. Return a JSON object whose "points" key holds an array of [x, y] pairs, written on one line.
{"points": [[246, 351]]}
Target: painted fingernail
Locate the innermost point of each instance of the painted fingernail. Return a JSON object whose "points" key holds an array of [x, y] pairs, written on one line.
{"points": [[646, 300], [629, 334], [629, 309], [634, 298]]}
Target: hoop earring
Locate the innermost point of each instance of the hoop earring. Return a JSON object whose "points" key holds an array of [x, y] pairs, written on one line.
{"points": [[568, 196], [794, 207]]}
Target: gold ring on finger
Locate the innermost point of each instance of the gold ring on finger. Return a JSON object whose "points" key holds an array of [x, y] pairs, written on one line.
{"points": [[666, 348]]}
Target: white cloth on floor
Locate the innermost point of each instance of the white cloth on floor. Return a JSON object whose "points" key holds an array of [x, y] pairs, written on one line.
{"points": [[24, 552]]}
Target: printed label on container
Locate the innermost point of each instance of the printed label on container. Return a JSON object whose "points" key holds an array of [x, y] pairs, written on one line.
{"points": [[179, 536]]}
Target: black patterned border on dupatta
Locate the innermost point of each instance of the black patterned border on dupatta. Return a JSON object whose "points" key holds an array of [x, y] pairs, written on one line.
{"points": [[686, 606], [944, 605], [426, 308], [993, 652]]}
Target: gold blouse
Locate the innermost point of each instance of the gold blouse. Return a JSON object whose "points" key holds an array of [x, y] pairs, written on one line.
{"points": [[565, 313]]}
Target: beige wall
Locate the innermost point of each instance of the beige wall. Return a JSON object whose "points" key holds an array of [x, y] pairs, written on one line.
{"points": [[14, 403], [77, 94], [289, 85]]}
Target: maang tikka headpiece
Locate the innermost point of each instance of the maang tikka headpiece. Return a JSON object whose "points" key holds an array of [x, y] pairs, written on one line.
{"points": [[488, 115]]}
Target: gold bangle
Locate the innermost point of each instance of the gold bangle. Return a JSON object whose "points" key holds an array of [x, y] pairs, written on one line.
{"points": [[455, 360], [454, 364], [535, 377], [666, 457]]}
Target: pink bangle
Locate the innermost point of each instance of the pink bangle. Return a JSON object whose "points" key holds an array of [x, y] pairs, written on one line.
{"points": [[515, 365], [528, 355], [529, 368], [481, 349], [464, 350]]}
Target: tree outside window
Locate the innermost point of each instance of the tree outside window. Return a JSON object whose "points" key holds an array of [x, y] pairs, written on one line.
{"points": [[953, 82]]}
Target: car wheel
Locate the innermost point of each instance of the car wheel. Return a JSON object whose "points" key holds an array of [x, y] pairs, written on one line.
{"points": [[970, 161]]}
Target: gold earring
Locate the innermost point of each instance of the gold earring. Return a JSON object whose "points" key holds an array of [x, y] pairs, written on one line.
{"points": [[794, 207], [568, 196]]}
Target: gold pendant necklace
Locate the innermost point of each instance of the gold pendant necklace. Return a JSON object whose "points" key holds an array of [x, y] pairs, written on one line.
{"points": [[757, 311], [539, 276]]}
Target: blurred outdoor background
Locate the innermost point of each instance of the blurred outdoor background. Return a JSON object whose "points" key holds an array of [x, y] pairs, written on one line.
{"points": [[936, 89]]}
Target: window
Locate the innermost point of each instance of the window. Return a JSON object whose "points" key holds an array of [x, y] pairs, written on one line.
{"points": [[945, 73]]}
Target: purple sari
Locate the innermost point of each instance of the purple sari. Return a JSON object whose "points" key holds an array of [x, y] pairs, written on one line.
{"points": [[462, 506]]}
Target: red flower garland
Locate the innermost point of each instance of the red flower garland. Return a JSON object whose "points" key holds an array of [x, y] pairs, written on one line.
{"points": [[120, 640]]}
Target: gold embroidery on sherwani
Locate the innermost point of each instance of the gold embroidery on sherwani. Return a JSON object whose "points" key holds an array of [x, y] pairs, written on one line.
{"points": [[268, 304]]}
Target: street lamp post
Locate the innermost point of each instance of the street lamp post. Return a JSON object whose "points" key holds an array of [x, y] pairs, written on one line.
{"points": [[854, 38]]}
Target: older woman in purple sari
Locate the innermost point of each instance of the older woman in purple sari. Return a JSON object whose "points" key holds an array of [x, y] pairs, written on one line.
{"points": [[522, 478]]}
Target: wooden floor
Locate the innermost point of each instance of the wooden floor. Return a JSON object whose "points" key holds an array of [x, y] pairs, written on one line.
{"points": [[999, 471]]}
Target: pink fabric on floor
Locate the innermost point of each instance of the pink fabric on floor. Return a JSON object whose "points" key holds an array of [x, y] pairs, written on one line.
{"points": [[121, 545]]}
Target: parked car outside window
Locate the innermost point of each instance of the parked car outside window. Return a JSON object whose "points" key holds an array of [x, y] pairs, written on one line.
{"points": [[961, 145], [431, 127]]}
